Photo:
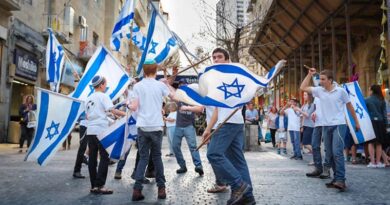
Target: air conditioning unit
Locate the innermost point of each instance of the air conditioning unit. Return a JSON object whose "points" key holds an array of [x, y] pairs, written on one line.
{"points": [[82, 21], [68, 19]]}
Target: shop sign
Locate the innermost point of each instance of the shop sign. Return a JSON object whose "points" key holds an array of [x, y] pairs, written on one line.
{"points": [[26, 64]]}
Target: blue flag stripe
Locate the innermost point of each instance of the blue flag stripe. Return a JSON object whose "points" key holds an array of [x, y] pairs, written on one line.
{"points": [[90, 73], [164, 53], [44, 102], [51, 67], [118, 26], [64, 133], [124, 79], [113, 136], [148, 39], [117, 150]]}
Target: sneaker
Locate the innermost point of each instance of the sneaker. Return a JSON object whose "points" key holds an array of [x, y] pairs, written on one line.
{"points": [[181, 170], [78, 175], [118, 175], [293, 157], [217, 189], [315, 174], [161, 194], [299, 158], [199, 170], [371, 165], [247, 200], [325, 174], [238, 194], [137, 195], [380, 165]]}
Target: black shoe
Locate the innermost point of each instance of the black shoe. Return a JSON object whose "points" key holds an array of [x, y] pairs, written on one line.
{"points": [[298, 158], [293, 157], [238, 194], [78, 175], [325, 174], [199, 170], [247, 200], [181, 170], [315, 174], [330, 184], [137, 195]]}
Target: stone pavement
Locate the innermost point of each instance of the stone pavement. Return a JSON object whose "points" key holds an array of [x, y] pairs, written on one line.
{"points": [[276, 180]]}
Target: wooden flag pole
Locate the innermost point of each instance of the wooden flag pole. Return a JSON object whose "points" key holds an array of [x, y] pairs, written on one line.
{"points": [[219, 126], [189, 67], [71, 64]]}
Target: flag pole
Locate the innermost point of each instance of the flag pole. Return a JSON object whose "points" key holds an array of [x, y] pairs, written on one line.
{"points": [[185, 54], [207, 138], [189, 67], [71, 65]]}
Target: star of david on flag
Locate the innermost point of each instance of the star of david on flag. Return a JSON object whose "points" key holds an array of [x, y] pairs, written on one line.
{"points": [[56, 117], [227, 85], [122, 25]]}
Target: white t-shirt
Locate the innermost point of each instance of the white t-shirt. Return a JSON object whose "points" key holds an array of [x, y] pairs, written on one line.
{"points": [[150, 93], [332, 105], [171, 115], [209, 114], [318, 121], [223, 113], [96, 107], [294, 120]]}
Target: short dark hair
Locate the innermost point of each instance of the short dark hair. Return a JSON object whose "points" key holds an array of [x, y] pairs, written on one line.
{"points": [[328, 74], [377, 91], [223, 51]]}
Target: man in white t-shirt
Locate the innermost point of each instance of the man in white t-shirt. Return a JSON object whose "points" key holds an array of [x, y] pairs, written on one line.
{"points": [[333, 102], [97, 107], [292, 111], [148, 100], [225, 151]]}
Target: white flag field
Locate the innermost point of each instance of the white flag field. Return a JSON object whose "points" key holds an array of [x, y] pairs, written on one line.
{"points": [[122, 25], [366, 131], [226, 85], [56, 117], [104, 64]]}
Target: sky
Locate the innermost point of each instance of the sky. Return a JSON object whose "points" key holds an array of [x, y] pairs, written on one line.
{"points": [[185, 20]]}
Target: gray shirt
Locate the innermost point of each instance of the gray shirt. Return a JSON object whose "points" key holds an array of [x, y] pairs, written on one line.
{"points": [[309, 109], [184, 118]]}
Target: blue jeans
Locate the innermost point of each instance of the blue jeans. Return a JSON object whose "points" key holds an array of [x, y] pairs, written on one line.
{"points": [[226, 156], [149, 141], [316, 145], [334, 147], [171, 133], [190, 135], [122, 163], [296, 142]]}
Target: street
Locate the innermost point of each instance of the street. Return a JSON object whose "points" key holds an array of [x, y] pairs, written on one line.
{"points": [[276, 180]]}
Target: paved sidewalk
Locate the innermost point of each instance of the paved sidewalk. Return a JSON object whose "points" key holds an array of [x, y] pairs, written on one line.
{"points": [[276, 180]]}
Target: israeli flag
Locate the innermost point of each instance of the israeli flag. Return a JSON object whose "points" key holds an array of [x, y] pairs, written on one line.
{"points": [[54, 61], [119, 137], [104, 64], [226, 85], [56, 117], [123, 25], [138, 37], [160, 42], [366, 131]]}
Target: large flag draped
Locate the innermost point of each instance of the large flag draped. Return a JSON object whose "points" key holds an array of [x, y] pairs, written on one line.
{"points": [[366, 131], [160, 42], [118, 138], [123, 25], [54, 61], [56, 117], [102, 63], [226, 85]]}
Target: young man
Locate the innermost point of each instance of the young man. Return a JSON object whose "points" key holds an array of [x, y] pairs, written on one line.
{"points": [[251, 114], [225, 148], [292, 112], [185, 128], [333, 101], [97, 106], [148, 100]]}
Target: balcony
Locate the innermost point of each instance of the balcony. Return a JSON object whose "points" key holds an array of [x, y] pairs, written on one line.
{"points": [[60, 30], [10, 5], [86, 50]]}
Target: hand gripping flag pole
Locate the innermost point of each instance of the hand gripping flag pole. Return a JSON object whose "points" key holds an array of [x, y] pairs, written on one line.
{"points": [[189, 67]]}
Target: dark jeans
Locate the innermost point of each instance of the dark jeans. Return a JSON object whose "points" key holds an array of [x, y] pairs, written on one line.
{"points": [[82, 148], [273, 132], [150, 167], [26, 134], [149, 142], [122, 163], [97, 177], [316, 145]]}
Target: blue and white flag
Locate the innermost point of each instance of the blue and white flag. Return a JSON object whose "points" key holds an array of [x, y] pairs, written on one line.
{"points": [[226, 85], [160, 42], [366, 131], [56, 117], [122, 25], [54, 61], [118, 138], [104, 64]]}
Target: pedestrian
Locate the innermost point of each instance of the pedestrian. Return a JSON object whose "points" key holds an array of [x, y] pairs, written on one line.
{"points": [[251, 114], [307, 123], [26, 111], [271, 117], [376, 107], [96, 109], [170, 123], [333, 101], [225, 151], [260, 123], [80, 157], [185, 128], [281, 123], [148, 100], [293, 112]]}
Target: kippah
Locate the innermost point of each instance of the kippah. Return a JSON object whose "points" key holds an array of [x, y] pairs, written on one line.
{"points": [[149, 62], [97, 80]]}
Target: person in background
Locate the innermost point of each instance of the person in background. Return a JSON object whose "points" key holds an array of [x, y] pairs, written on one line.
{"points": [[271, 117], [27, 131], [307, 123], [349, 147], [170, 122], [261, 118], [292, 111], [281, 123], [251, 115]]}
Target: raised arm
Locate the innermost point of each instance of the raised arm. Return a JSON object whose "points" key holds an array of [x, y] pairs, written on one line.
{"points": [[305, 86]]}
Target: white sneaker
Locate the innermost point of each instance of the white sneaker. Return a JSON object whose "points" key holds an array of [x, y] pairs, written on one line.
{"points": [[371, 165], [380, 165]]}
